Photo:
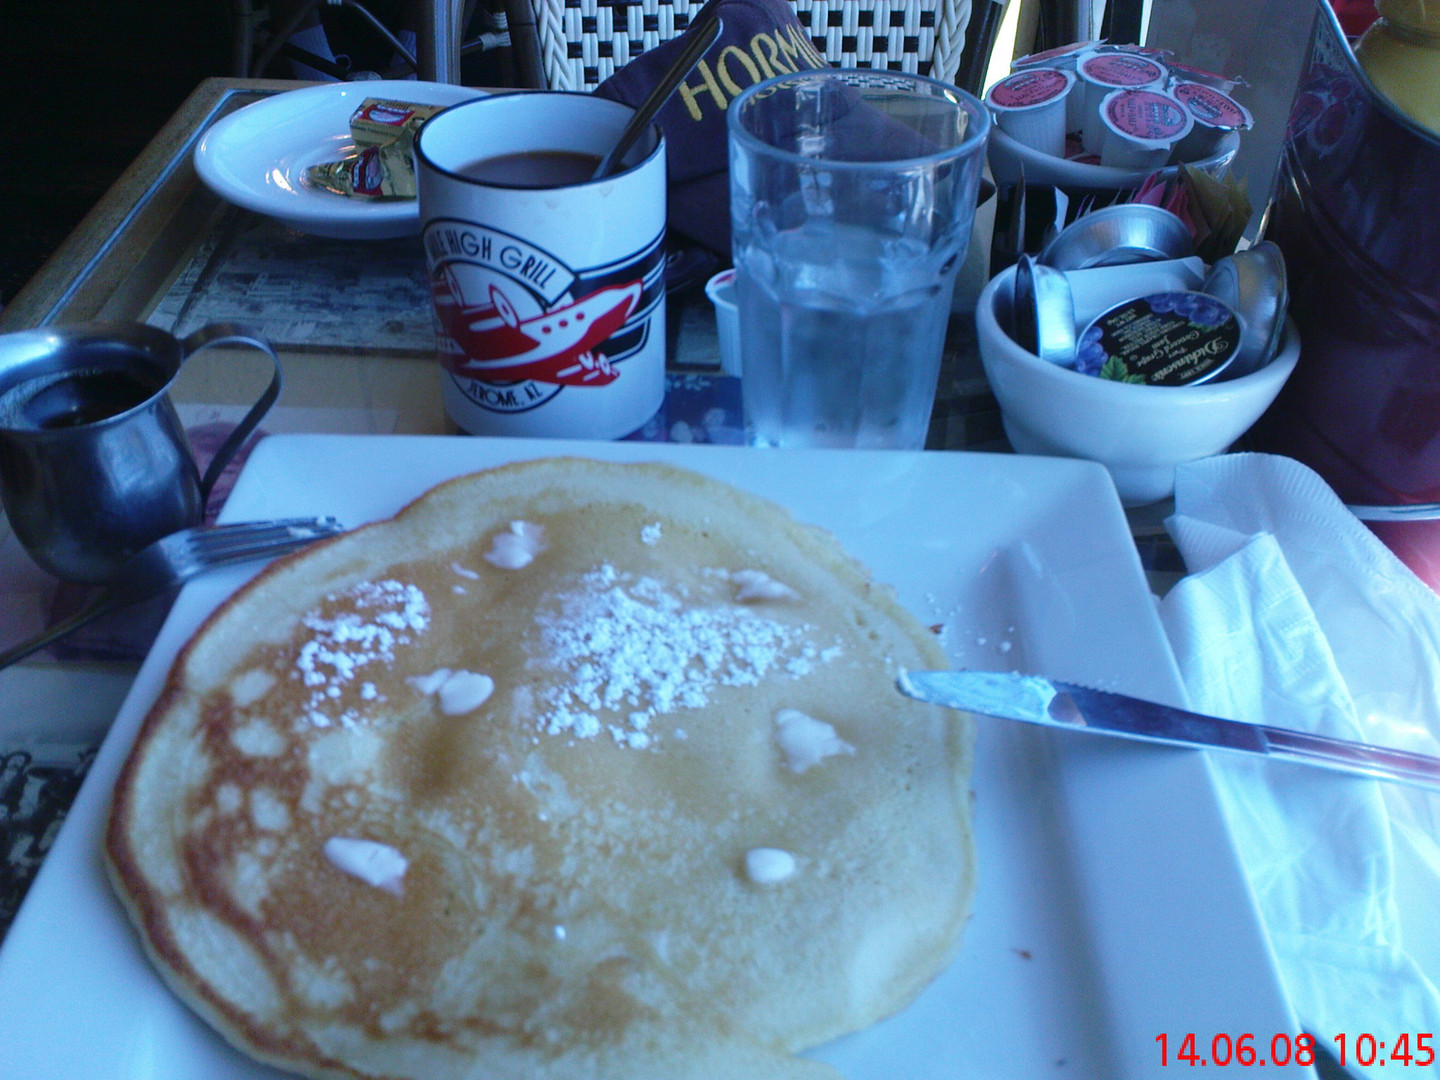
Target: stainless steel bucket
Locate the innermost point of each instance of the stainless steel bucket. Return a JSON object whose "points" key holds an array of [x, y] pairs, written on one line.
{"points": [[1357, 214]]}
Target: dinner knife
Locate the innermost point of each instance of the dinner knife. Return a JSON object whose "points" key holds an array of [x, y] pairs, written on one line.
{"points": [[1037, 700]]}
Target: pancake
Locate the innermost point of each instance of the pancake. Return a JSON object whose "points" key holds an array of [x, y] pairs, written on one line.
{"points": [[570, 770]]}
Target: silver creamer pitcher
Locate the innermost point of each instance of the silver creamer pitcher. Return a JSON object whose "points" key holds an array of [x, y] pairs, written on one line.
{"points": [[94, 463]]}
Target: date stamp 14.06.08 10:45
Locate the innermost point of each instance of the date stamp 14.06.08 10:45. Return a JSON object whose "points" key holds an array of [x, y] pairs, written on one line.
{"points": [[1247, 1049]]}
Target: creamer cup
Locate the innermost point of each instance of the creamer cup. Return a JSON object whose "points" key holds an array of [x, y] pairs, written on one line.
{"points": [[1098, 289], [1216, 114], [1142, 128], [1062, 58], [721, 291], [1030, 106], [1101, 73]]}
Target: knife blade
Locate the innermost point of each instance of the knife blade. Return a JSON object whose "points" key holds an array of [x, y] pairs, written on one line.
{"points": [[1037, 700]]}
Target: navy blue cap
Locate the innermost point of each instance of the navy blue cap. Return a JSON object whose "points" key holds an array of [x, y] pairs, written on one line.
{"points": [[758, 39]]}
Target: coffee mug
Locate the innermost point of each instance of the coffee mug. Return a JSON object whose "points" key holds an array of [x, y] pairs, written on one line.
{"points": [[94, 463], [548, 285]]}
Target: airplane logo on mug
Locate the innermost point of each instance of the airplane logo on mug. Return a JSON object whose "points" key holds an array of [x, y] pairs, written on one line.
{"points": [[556, 346], [516, 325]]}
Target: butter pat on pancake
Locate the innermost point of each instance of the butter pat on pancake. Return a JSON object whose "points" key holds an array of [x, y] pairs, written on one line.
{"points": [[570, 770]]}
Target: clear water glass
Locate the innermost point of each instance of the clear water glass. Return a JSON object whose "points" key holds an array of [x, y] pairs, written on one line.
{"points": [[852, 199]]}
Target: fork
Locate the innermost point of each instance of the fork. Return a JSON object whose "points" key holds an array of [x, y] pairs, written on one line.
{"points": [[178, 557]]}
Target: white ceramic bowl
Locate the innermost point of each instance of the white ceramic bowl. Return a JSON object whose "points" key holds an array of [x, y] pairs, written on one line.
{"points": [[1139, 433], [1008, 156]]}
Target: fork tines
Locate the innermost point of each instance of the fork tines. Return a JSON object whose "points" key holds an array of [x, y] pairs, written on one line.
{"points": [[247, 534]]}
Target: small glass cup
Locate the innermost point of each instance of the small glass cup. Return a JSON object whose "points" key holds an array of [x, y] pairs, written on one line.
{"points": [[852, 199]]}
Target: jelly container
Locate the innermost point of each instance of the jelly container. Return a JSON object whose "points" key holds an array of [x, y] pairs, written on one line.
{"points": [[1142, 129], [1029, 106], [1163, 339], [1100, 73], [1216, 114]]}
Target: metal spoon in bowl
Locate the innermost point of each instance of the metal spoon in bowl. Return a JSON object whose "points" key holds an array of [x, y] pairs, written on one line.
{"points": [[702, 32]]}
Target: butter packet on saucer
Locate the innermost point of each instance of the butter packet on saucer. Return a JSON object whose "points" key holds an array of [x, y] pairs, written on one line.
{"points": [[380, 166]]}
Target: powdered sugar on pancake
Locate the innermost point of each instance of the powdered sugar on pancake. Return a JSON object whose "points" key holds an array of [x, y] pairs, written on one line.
{"points": [[350, 630], [633, 648]]}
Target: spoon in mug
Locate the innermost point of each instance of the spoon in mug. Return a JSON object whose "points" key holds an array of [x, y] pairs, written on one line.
{"points": [[701, 34]]}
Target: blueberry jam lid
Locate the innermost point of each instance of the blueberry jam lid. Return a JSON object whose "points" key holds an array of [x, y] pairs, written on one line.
{"points": [[1164, 339]]}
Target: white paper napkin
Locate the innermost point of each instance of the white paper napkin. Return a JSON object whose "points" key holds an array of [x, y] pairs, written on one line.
{"points": [[1292, 613]]}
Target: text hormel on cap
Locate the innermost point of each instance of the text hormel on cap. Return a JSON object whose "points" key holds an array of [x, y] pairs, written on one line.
{"points": [[785, 50]]}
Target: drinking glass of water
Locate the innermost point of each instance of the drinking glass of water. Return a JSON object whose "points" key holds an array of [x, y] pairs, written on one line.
{"points": [[852, 197]]}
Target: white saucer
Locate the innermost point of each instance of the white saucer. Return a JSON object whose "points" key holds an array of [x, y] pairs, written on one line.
{"points": [[257, 157]]}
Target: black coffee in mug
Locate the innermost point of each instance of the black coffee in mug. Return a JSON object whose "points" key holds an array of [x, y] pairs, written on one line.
{"points": [[535, 168]]}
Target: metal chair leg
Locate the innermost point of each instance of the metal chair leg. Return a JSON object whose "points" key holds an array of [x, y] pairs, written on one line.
{"points": [[437, 43]]}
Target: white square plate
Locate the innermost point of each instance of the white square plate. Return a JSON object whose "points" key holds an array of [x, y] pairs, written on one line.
{"points": [[1110, 908]]}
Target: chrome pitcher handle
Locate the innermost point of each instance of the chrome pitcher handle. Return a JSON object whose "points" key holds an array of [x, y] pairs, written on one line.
{"points": [[233, 334]]}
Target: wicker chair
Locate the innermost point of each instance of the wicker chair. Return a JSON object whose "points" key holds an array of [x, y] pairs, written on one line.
{"points": [[577, 44]]}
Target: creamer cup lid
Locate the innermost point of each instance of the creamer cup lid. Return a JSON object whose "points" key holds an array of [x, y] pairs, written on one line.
{"points": [[1212, 108], [1146, 116], [1121, 69], [1029, 89], [1190, 73], [1135, 50]]}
